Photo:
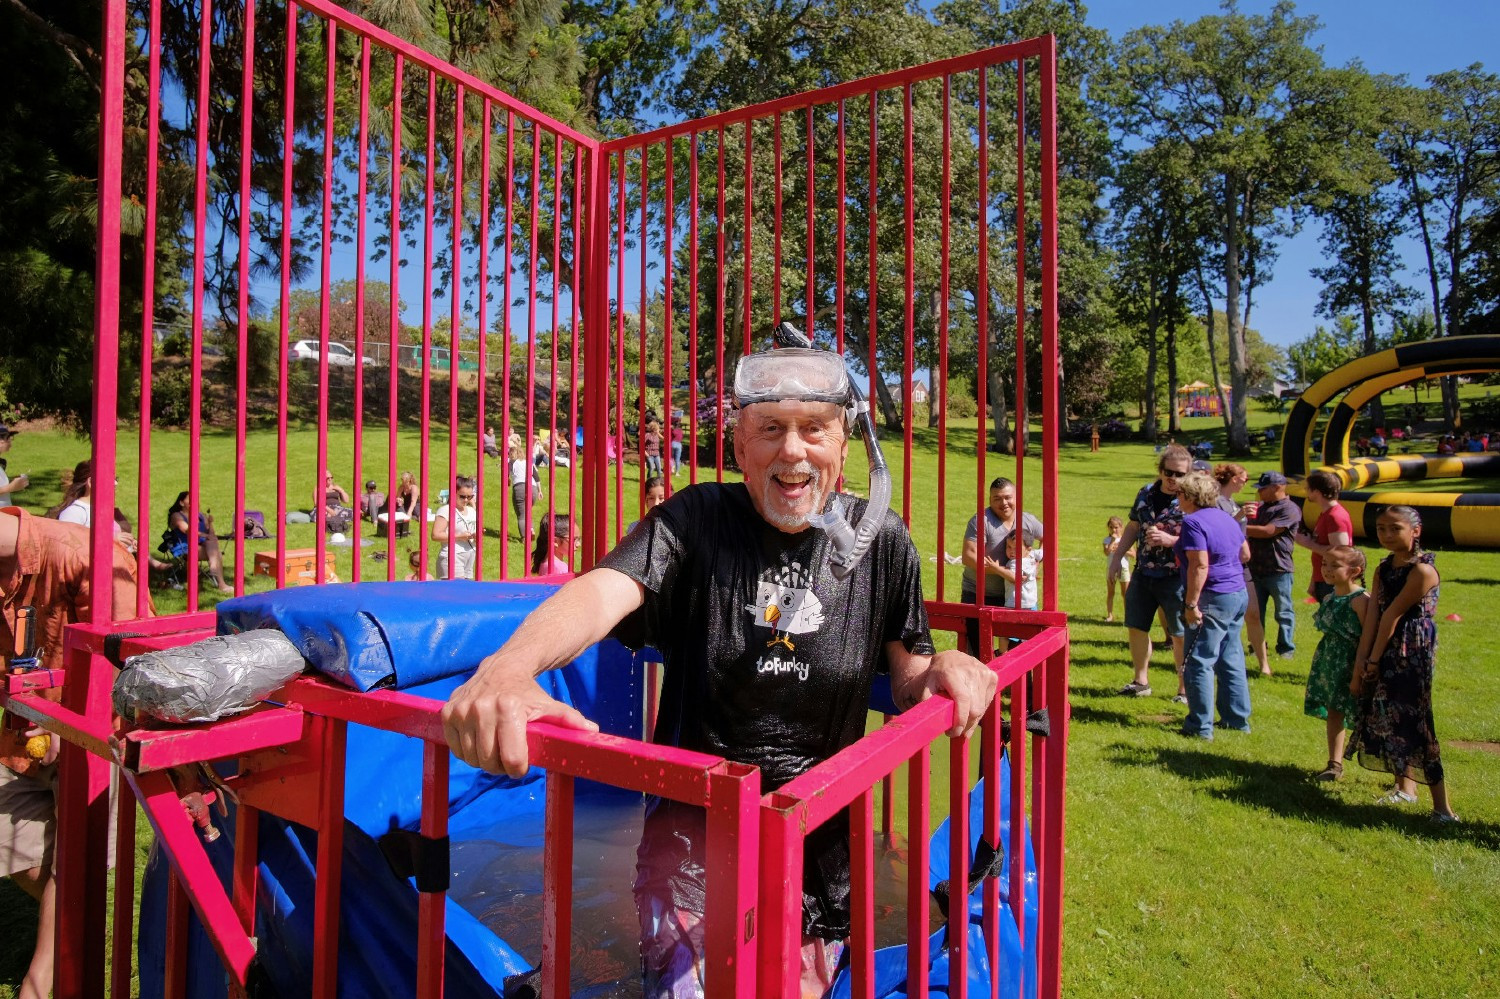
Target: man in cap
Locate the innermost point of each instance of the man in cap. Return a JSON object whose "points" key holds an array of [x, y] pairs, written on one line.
{"points": [[770, 638], [9, 485], [1271, 528]]}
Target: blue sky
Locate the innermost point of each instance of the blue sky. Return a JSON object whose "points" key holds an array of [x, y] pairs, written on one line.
{"points": [[1415, 37]]}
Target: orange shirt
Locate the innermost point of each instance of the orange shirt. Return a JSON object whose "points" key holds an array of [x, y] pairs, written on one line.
{"points": [[51, 574]]}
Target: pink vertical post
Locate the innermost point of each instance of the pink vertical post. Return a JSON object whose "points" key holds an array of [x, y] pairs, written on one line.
{"points": [[720, 416], [669, 332], [429, 210], [288, 152], [148, 288], [691, 444], [748, 290], [874, 247], [1019, 394], [557, 213], [907, 416], [487, 123], [918, 805], [596, 360], [359, 302], [326, 279], [456, 322], [812, 284], [557, 885], [982, 304], [576, 346], [241, 374], [781, 861], [619, 383], [862, 895], [1051, 409], [431, 936], [838, 255], [1019, 709], [330, 860], [958, 862], [733, 835], [174, 985], [510, 196], [200, 221], [940, 396], [534, 255], [989, 766], [776, 219], [122, 929], [394, 316], [640, 435]]}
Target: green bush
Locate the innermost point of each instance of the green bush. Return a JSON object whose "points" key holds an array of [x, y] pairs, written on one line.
{"points": [[172, 397]]}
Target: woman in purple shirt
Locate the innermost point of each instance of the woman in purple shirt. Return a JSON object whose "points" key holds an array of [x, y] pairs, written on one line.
{"points": [[1211, 552]]}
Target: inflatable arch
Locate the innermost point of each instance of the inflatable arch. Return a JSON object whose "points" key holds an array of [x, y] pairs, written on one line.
{"points": [[1448, 518]]}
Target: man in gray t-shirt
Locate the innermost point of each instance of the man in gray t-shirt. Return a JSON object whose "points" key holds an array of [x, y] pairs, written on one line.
{"points": [[1000, 521]]}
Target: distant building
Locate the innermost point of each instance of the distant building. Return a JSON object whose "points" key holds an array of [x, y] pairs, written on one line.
{"points": [[919, 391]]}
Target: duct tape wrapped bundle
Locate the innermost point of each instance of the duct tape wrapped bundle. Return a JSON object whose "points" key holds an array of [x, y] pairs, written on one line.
{"points": [[207, 680]]}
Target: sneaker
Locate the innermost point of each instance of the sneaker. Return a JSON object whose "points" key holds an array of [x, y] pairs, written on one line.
{"points": [[1332, 772], [1179, 699], [1446, 818], [1134, 689], [1395, 797], [1203, 736], [1289, 654]]}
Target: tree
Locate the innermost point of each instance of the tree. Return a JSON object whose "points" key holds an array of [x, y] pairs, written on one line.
{"points": [[1247, 97], [1326, 349]]}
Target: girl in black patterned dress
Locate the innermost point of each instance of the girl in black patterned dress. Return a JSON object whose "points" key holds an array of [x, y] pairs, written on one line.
{"points": [[1393, 676]]}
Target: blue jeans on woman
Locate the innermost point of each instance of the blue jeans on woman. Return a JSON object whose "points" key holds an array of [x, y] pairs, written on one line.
{"points": [[1212, 648]]}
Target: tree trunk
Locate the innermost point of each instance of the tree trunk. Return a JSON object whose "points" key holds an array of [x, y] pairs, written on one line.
{"points": [[1174, 415], [1148, 409], [1001, 437], [1239, 431], [1213, 348], [1452, 416], [1419, 203], [1367, 312]]}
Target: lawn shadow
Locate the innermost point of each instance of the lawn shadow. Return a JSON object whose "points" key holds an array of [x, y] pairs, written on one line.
{"points": [[1285, 790]]}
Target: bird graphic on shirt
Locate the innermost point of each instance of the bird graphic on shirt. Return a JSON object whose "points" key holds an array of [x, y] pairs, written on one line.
{"points": [[786, 604]]}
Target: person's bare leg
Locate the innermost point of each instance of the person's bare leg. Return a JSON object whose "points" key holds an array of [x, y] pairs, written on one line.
{"points": [[1336, 736], [38, 981], [1140, 654], [1255, 628], [1179, 652], [1440, 804], [1109, 599]]}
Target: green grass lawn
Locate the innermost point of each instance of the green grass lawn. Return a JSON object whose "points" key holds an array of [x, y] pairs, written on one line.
{"points": [[1192, 869]]}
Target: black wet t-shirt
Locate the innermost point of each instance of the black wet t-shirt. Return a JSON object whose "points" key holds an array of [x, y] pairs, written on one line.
{"points": [[768, 661]]}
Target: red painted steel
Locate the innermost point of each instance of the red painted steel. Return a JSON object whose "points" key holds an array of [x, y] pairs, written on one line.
{"points": [[767, 832], [148, 277], [122, 927], [432, 940], [861, 942], [330, 864], [557, 891], [455, 329]]}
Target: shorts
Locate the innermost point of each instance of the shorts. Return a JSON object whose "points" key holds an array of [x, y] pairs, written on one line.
{"points": [[1148, 593], [28, 822], [672, 962], [1123, 575]]}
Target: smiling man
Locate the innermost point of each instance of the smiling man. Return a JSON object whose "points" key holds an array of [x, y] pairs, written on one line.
{"points": [[772, 614]]}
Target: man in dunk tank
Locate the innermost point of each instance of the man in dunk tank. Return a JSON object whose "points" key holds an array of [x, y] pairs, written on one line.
{"points": [[773, 603]]}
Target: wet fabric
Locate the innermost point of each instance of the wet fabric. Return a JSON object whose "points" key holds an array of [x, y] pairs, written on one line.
{"points": [[1333, 660], [1396, 732], [1154, 508], [768, 661]]}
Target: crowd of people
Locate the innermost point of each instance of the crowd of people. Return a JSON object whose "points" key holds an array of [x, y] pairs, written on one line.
{"points": [[1207, 568]]}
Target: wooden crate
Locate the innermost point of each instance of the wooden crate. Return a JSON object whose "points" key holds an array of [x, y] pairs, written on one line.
{"points": [[300, 568]]}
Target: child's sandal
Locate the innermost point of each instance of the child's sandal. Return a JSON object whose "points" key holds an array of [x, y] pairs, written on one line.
{"points": [[1332, 772]]}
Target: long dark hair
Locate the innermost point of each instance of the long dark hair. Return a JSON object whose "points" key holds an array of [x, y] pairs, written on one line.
{"points": [[77, 486], [551, 529]]}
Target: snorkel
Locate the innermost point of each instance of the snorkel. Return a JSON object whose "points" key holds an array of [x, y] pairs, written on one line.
{"points": [[794, 369]]}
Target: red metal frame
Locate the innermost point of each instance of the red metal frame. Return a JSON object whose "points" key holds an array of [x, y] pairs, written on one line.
{"points": [[759, 851]]}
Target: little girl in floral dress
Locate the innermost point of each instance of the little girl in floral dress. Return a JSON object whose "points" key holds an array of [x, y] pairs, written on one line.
{"points": [[1340, 618]]}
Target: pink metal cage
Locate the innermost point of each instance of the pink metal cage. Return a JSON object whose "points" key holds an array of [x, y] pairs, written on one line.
{"points": [[602, 271]]}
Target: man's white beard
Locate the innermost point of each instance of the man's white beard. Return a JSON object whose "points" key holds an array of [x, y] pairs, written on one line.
{"points": [[773, 503]]}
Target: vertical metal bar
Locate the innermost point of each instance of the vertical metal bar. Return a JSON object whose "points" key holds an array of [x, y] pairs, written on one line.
{"points": [[908, 417], [940, 396], [242, 369], [246, 856], [619, 382], [394, 320], [330, 860], [510, 195], [557, 885], [1018, 396], [873, 249], [669, 332], [812, 285], [288, 151], [122, 930], [112, 118], [557, 168], [105, 478], [362, 209], [534, 255], [178, 908], [918, 808], [1055, 751], [748, 295], [982, 304], [733, 844], [596, 359], [719, 341], [838, 256], [1051, 408], [776, 219], [429, 209], [325, 274], [781, 862], [576, 344], [640, 433], [482, 301], [691, 444], [958, 863], [1019, 708], [887, 796], [862, 895], [456, 326], [431, 937]]}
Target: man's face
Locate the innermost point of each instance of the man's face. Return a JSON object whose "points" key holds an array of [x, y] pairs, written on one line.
{"points": [[1270, 494], [1172, 472], [1003, 502], [792, 454], [4, 443]]}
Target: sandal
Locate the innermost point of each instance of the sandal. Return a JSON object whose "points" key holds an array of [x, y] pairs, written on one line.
{"points": [[1332, 772], [1395, 797]]}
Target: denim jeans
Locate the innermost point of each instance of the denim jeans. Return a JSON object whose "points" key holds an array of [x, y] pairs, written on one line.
{"points": [[1212, 649], [1279, 586]]}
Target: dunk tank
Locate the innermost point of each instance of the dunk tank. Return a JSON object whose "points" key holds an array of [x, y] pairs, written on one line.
{"points": [[321, 840]]}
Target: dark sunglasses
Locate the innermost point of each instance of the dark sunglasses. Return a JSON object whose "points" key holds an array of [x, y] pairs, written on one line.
{"points": [[1172, 473]]}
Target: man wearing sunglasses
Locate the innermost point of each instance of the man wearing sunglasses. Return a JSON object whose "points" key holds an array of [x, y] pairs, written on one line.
{"points": [[1156, 585]]}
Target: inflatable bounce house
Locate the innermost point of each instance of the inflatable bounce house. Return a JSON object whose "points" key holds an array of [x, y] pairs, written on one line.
{"points": [[317, 837]]}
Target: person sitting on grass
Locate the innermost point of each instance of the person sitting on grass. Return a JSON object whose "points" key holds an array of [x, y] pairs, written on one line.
{"points": [[175, 540]]}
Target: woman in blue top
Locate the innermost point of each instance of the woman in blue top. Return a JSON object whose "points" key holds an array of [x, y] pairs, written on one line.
{"points": [[1211, 552]]}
